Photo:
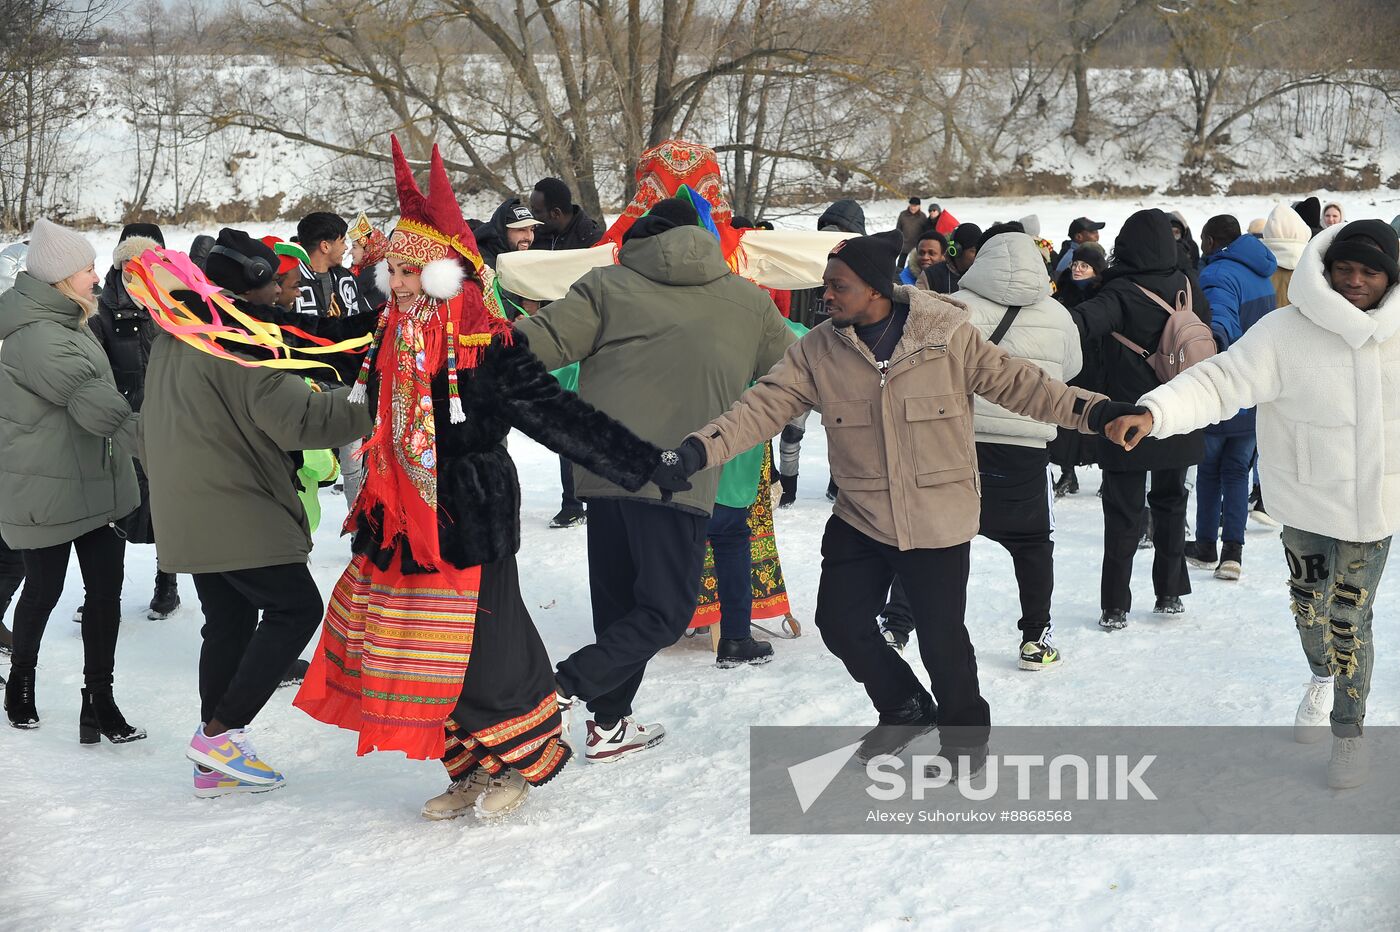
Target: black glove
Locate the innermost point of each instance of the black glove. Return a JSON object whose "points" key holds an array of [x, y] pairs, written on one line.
{"points": [[673, 473], [1105, 411]]}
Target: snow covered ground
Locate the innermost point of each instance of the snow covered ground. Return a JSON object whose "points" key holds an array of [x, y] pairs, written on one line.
{"points": [[111, 837]]}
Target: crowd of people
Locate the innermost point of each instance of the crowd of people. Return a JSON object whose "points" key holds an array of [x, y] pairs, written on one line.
{"points": [[952, 366]]}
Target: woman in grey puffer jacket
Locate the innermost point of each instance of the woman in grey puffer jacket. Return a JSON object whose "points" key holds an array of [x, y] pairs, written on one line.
{"points": [[66, 478]]}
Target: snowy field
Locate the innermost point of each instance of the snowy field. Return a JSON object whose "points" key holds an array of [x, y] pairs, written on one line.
{"points": [[111, 837]]}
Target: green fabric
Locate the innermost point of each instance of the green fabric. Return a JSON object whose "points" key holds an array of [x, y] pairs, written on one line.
{"points": [[317, 466], [567, 376], [666, 341], [67, 433], [217, 439]]}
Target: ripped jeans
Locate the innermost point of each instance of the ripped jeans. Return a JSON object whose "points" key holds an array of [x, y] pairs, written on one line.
{"points": [[1332, 584]]}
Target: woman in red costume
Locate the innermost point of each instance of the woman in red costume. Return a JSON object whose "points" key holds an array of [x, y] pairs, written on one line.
{"points": [[427, 647]]}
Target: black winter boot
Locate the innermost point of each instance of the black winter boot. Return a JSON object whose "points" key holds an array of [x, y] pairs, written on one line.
{"points": [[789, 484], [100, 718], [1231, 561], [19, 699], [735, 652], [166, 598], [898, 728], [1067, 484], [1202, 555], [1168, 605]]}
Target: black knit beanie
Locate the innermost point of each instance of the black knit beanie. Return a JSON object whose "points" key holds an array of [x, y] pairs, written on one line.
{"points": [[666, 214], [148, 230], [230, 274], [872, 258], [1373, 243]]}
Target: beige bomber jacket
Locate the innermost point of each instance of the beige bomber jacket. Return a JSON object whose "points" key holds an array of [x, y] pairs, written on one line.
{"points": [[899, 442]]}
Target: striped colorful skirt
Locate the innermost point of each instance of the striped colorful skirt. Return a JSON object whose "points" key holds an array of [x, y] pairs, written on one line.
{"points": [[770, 598], [446, 665]]}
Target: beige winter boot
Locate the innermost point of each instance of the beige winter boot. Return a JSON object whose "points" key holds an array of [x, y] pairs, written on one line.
{"points": [[459, 797], [506, 791]]}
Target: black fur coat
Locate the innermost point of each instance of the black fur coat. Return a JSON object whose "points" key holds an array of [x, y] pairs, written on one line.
{"points": [[478, 492]]}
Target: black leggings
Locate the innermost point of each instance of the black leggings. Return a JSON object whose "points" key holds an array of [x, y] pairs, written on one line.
{"points": [[100, 558]]}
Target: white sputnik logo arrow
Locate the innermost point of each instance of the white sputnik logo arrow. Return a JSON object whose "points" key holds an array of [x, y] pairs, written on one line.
{"points": [[811, 777]]}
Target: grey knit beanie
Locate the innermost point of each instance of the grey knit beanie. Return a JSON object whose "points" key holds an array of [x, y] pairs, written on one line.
{"points": [[57, 252]]}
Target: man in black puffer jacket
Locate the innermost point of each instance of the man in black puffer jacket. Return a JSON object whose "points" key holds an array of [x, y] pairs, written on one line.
{"points": [[1145, 255], [125, 331]]}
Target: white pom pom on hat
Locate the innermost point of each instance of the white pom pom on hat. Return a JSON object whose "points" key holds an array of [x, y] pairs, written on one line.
{"points": [[442, 278]]}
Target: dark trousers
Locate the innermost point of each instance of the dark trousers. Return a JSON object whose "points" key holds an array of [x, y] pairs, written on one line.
{"points": [[100, 557], [11, 575], [856, 574], [243, 659], [644, 566], [1222, 487], [728, 532], [1016, 497], [1123, 517], [566, 483]]}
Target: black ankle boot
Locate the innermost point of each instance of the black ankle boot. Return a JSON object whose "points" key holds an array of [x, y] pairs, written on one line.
{"points": [[100, 718], [789, 484], [166, 598], [19, 700]]}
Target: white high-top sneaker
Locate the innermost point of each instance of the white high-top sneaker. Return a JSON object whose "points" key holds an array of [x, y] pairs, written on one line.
{"points": [[605, 745], [504, 793], [1314, 713], [459, 798], [1350, 764]]}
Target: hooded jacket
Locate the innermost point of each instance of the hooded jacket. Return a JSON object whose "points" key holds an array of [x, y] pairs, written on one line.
{"points": [[667, 339], [1237, 282], [67, 433], [1193, 251], [899, 441], [124, 328], [844, 215], [1146, 254], [1324, 375], [1009, 271], [491, 235], [1287, 236]]}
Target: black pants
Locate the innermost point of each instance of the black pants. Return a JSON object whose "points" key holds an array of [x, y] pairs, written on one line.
{"points": [[1123, 518], [856, 574], [566, 483], [11, 575], [644, 566], [1016, 513], [243, 660], [100, 557]]}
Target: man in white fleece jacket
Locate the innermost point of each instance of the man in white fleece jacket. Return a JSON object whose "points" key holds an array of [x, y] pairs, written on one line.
{"points": [[1325, 373]]}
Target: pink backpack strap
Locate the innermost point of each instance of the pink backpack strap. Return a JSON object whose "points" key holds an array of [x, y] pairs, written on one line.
{"points": [[1131, 345]]}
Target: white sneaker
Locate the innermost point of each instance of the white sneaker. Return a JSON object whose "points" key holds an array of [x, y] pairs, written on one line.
{"points": [[459, 798], [504, 794], [605, 745], [1314, 714], [1350, 764]]}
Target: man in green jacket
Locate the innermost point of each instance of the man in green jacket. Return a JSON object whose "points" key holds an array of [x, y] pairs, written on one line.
{"points": [[667, 339], [218, 440]]}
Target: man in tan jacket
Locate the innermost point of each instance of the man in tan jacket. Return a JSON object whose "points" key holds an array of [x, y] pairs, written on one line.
{"points": [[892, 374]]}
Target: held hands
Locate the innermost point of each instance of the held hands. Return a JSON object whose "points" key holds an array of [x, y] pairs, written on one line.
{"points": [[673, 472], [1124, 424]]}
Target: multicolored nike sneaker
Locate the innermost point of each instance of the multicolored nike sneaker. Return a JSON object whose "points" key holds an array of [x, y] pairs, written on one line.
{"points": [[230, 753], [209, 784]]}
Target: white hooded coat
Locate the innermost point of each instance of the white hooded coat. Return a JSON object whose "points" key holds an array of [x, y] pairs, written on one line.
{"points": [[1286, 235], [1326, 378], [1010, 270]]}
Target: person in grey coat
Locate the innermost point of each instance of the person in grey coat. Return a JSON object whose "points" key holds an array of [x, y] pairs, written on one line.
{"points": [[67, 477]]}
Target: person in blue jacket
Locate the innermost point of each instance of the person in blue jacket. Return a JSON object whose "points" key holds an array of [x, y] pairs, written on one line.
{"points": [[1235, 276]]}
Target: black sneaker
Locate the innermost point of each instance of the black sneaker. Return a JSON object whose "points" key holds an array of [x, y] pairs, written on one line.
{"points": [[1200, 555], [1038, 655], [735, 652], [897, 729], [166, 598], [1256, 509], [1067, 484], [1168, 605], [1113, 619], [963, 763], [789, 484], [295, 673], [571, 516], [1231, 562]]}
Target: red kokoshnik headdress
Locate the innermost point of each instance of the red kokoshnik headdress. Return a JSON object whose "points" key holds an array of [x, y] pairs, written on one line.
{"points": [[449, 324]]}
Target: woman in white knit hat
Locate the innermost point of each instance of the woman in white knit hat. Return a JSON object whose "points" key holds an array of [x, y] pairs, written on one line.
{"points": [[66, 478]]}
